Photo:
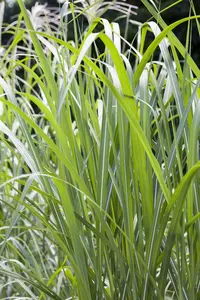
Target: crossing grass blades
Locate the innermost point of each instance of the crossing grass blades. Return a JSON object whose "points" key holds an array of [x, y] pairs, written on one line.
{"points": [[100, 189]]}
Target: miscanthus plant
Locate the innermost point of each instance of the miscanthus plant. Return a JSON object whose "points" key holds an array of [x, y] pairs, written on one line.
{"points": [[99, 154]]}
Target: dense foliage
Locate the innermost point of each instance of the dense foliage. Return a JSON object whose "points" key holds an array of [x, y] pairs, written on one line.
{"points": [[99, 153]]}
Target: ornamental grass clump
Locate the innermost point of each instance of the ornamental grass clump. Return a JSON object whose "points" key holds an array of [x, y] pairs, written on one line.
{"points": [[99, 185]]}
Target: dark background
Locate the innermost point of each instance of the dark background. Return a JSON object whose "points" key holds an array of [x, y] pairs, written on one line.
{"points": [[173, 14]]}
